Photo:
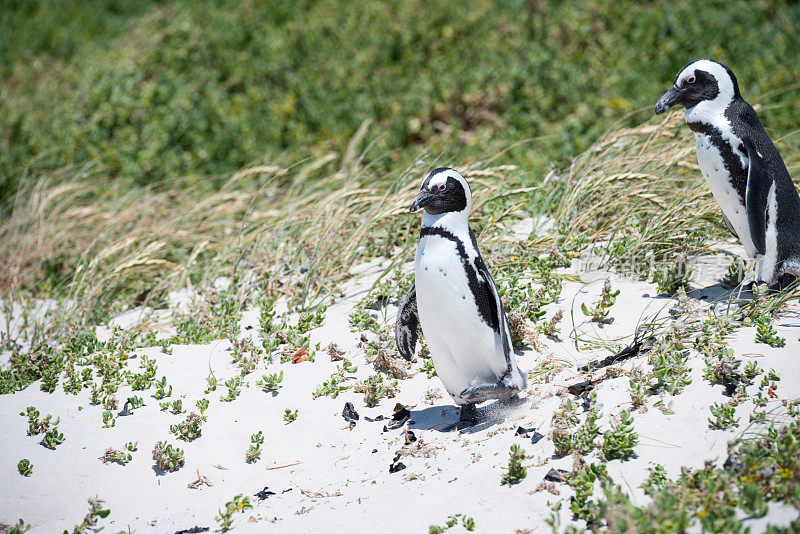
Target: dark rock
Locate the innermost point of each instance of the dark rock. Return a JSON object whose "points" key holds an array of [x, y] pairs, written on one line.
{"points": [[581, 387], [374, 451], [410, 437], [350, 414], [401, 415], [524, 432], [264, 493], [556, 475], [193, 530], [373, 419], [536, 438], [396, 465]]}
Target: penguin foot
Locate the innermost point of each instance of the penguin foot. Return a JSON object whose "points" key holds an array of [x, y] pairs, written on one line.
{"points": [[468, 418], [469, 414], [485, 392]]}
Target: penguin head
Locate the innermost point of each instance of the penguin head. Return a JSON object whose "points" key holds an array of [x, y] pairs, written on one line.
{"points": [[702, 80], [443, 191]]}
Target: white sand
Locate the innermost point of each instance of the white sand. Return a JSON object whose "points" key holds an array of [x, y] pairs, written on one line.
{"points": [[342, 481]]}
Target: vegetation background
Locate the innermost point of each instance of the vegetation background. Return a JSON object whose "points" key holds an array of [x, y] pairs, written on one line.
{"points": [[124, 124]]}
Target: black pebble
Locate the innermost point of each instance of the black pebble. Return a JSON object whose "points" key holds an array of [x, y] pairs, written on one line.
{"points": [[556, 475], [350, 414], [193, 530], [264, 493], [580, 387], [396, 465], [536, 438], [401, 415], [524, 432]]}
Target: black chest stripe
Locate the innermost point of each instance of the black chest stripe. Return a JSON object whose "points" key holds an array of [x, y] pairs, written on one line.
{"points": [[731, 161], [479, 288]]}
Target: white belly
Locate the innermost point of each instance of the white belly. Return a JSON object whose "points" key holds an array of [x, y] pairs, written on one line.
{"points": [[713, 169], [464, 349]]}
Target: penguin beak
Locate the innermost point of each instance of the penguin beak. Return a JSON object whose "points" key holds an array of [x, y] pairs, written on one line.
{"points": [[420, 201], [669, 99]]}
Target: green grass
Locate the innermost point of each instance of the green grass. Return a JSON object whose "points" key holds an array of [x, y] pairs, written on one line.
{"points": [[190, 92]]}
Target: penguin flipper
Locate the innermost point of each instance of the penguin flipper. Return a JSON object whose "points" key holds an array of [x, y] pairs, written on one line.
{"points": [[758, 187], [406, 329]]}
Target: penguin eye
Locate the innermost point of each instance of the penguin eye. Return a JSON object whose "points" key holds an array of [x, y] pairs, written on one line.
{"points": [[690, 79], [441, 187]]}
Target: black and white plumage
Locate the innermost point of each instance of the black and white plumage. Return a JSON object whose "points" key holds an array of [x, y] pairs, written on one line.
{"points": [[455, 302], [745, 172]]}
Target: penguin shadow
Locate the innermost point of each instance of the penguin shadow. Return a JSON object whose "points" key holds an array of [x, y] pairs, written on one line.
{"points": [[447, 418], [713, 294], [718, 293]]}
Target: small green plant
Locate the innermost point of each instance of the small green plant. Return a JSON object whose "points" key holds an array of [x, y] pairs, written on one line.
{"points": [[189, 429], [161, 388], [25, 467], [270, 382], [515, 471], [202, 405], [656, 480], [33, 420], [751, 370], [167, 457], [639, 386], [132, 446], [234, 385], [582, 481], [253, 454], [19, 528], [289, 415], [374, 389], [568, 435], [467, 522], [758, 416], [360, 319], [108, 419], [164, 406], [618, 443], [136, 402], [166, 345], [735, 274], [52, 438], [238, 504], [332, 386], [143, 380], [669, 279], [428, 368], [115, 456], [765, 333], [177, 407], [212, 384], [724, 416], [89, 524], [550, 328], [600, 310]]}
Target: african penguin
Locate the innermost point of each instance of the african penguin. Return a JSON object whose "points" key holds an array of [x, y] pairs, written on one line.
{"points": [[455, 302], [742, 167]]}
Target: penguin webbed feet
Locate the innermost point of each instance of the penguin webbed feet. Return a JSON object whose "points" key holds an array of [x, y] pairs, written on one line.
{"points": [[469, 415], [486, 392]]}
